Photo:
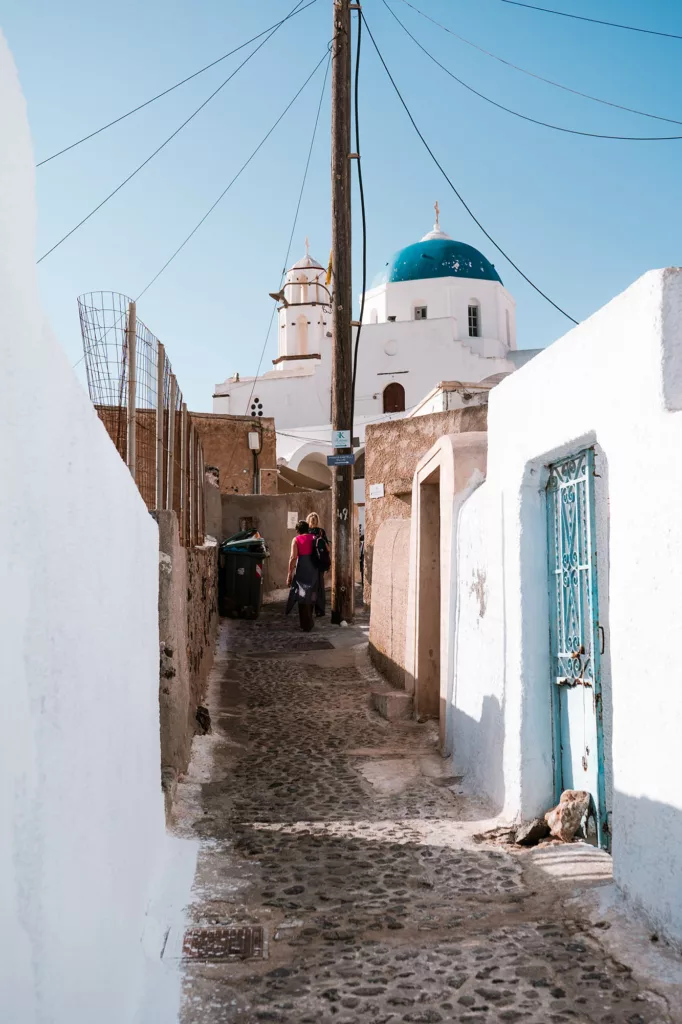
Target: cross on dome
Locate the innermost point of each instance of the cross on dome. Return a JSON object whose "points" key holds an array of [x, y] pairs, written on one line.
{"points": [[436, 231], [307, 246]]}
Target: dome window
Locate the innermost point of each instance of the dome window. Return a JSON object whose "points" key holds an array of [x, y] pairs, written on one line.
{"points": [[474, 321], [420, 312]]}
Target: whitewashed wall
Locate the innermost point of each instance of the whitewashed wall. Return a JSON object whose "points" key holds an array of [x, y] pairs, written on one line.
{"points": [[615, 382], [478, 691], [80, 800]]}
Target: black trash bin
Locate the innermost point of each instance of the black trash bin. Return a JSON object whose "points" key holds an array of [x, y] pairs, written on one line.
{"points": [[240, 579]]}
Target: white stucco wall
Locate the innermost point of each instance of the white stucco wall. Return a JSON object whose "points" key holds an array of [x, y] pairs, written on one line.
{"points": [[80, 800], [449, 297], [477, 694], [614, 382], [418, 354]]}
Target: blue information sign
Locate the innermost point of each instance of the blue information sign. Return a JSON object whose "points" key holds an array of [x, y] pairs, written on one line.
{"points": [[340, 460]]}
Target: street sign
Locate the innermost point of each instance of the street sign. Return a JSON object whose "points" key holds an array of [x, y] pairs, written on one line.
{"points": [[340, 438], [340, 460]]}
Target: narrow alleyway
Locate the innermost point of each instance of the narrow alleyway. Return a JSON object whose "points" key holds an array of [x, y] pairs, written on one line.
{"points": [[343, 837]]}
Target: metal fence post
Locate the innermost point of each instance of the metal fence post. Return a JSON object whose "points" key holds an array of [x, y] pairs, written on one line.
{"points": [[202, 495], [192, 486], [160, 375], [131, 412], [170, 481], [183, 474]]}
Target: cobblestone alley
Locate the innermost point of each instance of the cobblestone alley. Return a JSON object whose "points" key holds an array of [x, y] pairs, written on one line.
{"points": [[344, 838]]}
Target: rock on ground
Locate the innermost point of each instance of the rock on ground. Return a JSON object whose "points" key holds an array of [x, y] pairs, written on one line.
{"points": [[566, 818]]}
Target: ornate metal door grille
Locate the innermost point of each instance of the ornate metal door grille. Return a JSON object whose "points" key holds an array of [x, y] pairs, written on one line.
{"points": [[574, 622]]}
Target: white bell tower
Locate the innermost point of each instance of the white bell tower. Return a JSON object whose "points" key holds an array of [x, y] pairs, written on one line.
{"points": [[304, 314]]}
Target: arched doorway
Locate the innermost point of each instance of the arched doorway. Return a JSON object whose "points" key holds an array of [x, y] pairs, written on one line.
{"points": [[394, 398]]}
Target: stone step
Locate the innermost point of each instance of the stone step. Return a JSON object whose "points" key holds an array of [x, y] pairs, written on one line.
{"points": [[393, 705]]}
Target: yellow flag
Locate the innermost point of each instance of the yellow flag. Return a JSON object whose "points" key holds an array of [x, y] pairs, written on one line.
{"points": [[329, 270]]}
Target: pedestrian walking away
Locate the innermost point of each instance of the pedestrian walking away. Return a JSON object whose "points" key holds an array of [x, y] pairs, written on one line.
{"points": [[322, 549], [303, 577]]}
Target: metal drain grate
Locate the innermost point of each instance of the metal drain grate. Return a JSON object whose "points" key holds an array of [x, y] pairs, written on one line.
{"points": [[224, 943]]}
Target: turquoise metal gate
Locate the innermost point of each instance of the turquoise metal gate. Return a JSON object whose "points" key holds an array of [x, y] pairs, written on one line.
{"points": [[574, 629]]}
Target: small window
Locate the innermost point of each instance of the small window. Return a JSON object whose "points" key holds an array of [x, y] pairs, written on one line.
{"points": [[420, 312], [474, 322], [394, 398], [506, 316]]}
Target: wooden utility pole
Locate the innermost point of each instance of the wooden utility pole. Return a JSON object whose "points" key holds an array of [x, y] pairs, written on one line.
{"points": [[343, 597]]}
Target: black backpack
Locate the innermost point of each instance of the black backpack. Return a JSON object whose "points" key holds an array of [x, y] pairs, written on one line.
{"points": [[324, 562]]}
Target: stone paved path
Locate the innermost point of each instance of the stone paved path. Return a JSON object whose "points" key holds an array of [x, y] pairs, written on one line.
{"points": [[344, 837]]}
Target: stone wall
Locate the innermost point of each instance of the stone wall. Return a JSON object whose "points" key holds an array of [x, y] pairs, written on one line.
{"points": [[388, 621], [226, 446], [392, 451], [188, 620], [268, 513]]}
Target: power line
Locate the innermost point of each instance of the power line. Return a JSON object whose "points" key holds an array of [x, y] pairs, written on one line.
{"points": [[454, 189], [165, 143], [595, 21], [293, 227], [539, 78], [526, 117], [291, 238], [171, 88], [225, 190]]}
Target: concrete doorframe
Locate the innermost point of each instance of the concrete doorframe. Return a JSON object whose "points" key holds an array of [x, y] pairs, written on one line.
{"points": [[443, 480]]}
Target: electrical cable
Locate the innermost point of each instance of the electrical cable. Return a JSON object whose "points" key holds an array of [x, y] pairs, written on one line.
{"points": [[165, 143], [364, 223], [525, 117], [539, 78], [210, 210], [171, 88], [237, 175], [328, 56], [452, 186], [595, 21]]}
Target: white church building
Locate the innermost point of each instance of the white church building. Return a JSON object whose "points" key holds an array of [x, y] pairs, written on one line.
{"points": [[437, 312]]}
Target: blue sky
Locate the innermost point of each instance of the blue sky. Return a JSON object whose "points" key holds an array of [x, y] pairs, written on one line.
{"points": [[582, 217]]}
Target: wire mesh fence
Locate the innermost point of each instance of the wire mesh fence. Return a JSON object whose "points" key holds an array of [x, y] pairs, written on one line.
{"points": [[135, 392]]}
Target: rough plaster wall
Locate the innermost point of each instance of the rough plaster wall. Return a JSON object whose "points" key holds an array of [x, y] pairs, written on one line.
{"points": [[388, 619], [478, 690], [226, 445], [80, 798], [269, 515], [639, 438], [214, 508], [174, 669], [188, 619], [392, 451], [202, 617]]}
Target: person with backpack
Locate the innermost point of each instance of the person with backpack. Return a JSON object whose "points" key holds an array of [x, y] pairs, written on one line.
{"points": [[324, 561], [303, 576]]}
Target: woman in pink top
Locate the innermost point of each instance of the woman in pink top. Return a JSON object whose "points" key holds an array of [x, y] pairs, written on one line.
{"points": [[304, 575]]}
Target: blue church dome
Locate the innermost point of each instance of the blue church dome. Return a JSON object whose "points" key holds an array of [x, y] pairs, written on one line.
{"points": [[437, 255]]}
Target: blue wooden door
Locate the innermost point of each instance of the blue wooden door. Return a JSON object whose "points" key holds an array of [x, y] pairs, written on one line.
{"points": [[574, 634]]}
